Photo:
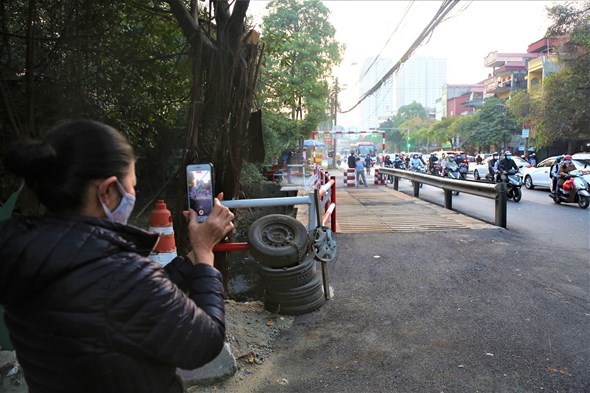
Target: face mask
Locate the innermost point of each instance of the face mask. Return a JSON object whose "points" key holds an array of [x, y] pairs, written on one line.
{"points": [[508, 157], [122, 213]]}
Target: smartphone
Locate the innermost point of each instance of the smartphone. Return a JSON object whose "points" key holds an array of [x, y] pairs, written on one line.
{"points": [[199, 186]]}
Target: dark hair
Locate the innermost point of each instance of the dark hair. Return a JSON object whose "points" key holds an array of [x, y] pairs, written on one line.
{"points": [[59, 167]]}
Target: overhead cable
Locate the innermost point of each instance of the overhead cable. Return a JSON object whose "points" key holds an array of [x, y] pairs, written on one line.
{"points": [[444, 9]]}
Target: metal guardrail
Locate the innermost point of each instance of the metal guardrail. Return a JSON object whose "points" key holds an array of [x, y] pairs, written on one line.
{"points": [[485, 190]]}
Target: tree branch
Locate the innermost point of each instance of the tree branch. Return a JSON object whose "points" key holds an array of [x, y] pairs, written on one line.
{"points": [[191, 30]]}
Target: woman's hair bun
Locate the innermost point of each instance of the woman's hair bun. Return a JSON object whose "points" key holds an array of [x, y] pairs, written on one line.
{"points": [[30, 159]]}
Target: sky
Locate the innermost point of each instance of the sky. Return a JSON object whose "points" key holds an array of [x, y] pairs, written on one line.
{"points": [[469, 33]]}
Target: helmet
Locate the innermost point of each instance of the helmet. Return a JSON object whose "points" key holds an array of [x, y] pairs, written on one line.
{"points": [[387, 156], [559, 158], [415, 155], [495, 153], [568, 157], [432, 154]]}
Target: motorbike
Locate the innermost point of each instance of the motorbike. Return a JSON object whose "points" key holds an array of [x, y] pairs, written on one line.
{"points": [[452, 172], [463, 169], [434, 169], [418, 170], [513, 184], [574, 190]]}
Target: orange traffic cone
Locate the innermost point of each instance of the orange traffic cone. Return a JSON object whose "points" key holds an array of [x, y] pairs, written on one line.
{"points": [[161, 222]]}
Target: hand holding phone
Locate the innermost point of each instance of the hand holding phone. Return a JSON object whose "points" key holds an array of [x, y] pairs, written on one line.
{"points": [[199, 182]]}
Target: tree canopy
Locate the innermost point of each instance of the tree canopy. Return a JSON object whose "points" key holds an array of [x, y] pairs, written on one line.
{"points": [[300, 52]]}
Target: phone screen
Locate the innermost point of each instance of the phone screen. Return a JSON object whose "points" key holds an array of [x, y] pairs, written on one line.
{"points": [[199, 181]]}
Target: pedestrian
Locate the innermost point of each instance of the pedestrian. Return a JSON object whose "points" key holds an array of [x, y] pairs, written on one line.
{"points": [[286, 158], [351, 160], [86, 309], [368, 163], [360, 172]]}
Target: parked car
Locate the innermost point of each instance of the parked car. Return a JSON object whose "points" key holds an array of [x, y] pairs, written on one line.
{"points": [[480, 171], [538, 176]]}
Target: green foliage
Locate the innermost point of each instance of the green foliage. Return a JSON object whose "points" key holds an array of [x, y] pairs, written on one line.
{"points": [[495, 124], [300, 53], [564, 113], [395, 130], [250, 175]]}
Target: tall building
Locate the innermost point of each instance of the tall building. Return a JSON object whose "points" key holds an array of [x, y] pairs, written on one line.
{"points": [[420, 79], [378, 107]]}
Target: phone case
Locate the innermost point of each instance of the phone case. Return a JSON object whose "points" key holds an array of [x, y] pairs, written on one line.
{"points": [[199, 182]]}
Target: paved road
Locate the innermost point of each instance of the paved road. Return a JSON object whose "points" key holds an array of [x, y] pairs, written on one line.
{"points": [[536, 214], [457, 311]]}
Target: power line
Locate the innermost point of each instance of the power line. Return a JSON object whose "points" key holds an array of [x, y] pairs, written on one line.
{"points": [[389, 39], [444, 9]]}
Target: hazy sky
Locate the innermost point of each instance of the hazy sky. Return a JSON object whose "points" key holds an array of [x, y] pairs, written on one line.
{"points": [[471, 31]]}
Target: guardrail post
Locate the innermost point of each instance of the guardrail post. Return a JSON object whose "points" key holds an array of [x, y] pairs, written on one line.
{"points": [[501, 205], [416, 188], [448, 199], [395, 183]]}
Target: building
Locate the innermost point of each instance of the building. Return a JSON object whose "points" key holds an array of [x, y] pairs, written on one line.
{"points": [[547, 62], [420, 79], [378, 107], [508, 73], [454, 97]]}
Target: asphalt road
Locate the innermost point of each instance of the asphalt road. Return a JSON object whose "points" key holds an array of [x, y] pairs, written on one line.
{"points": [[536, 214], [484, 310]]}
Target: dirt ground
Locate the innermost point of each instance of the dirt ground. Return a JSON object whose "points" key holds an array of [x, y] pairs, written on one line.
{"points": [[250, 330]]}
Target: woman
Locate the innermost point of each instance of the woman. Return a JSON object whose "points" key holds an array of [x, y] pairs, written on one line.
{"points": [[87, 311]]}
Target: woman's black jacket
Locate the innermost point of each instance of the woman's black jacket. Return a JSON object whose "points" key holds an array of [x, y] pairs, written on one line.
{"points": [[87, 311]]}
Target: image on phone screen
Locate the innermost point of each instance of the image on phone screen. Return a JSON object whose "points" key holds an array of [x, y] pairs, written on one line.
{"points": [[200, 189]]}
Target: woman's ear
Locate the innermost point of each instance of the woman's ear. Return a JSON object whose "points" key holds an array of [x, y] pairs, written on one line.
{"points": [[108, 192]]}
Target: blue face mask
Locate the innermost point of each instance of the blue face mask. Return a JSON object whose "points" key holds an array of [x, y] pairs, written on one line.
{"points": [[122, 212]]}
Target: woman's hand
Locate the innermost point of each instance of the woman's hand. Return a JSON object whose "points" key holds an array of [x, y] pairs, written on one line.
{"points": [[204, 236]]}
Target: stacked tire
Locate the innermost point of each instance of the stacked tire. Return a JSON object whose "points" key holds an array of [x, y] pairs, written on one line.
{"points": [[280, 245]]}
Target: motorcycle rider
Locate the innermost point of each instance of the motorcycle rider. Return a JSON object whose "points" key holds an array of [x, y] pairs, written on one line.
{"points": [[492, 164], [416, 164], [554, 174], [448, 162], [564, 169], [431, 160], [506, 164], [398, 162], [387, 161]]}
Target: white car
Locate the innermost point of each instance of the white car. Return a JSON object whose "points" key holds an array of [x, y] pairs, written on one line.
{"points": [[538, 176], [480, 171]]}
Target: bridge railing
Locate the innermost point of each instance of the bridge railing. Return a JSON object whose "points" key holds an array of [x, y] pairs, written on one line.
{"points": [[485, 190]]}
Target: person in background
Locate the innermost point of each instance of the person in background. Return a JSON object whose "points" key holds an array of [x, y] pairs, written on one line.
{"points": [[351, 160], [564, 169], [368, 164], [478, 159], [554, 174], [86, 309], [532, 159], [360, 172]]}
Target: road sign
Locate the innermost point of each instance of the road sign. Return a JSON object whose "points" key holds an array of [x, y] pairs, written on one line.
{"points": [[525, 132]]}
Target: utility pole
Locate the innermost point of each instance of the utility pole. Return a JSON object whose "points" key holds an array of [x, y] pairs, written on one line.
{"points": [[335, 116]]}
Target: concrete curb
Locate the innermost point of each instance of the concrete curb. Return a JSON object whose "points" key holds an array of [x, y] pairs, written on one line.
{"points": [[217, 370]]}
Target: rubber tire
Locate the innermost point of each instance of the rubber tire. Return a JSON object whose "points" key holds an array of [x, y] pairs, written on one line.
{"points": [[583, 201], [288, 277], [528, 182], [278, 241], [296, 301], [557, 200], [517, 195], [476, 175]]}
